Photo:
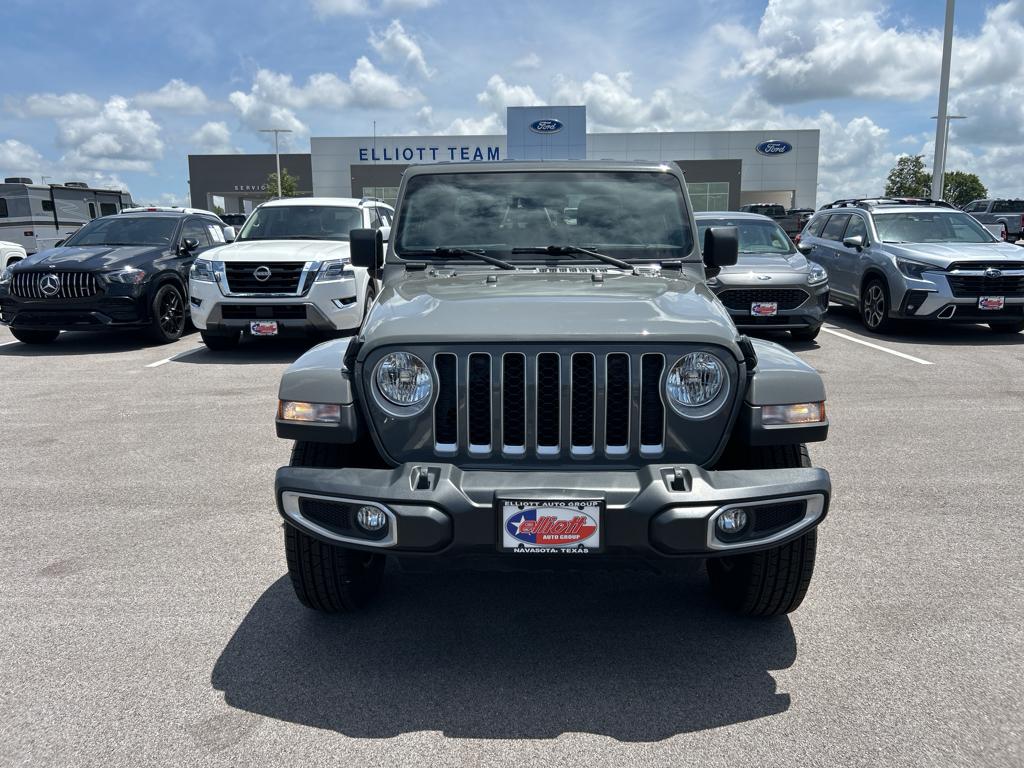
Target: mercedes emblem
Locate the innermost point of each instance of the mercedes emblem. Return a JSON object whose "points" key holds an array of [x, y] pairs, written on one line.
{"points": [[49, 285]]}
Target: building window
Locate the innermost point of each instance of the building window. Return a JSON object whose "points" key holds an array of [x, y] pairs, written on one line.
{"points": [[3, 208], [709, 196], [92, 210], [387, 195], [47, 206], [107, 209]]}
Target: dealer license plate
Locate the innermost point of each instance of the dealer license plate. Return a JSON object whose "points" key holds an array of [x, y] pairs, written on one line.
{"points": [[263, 327], [991, 302], [764, 308], [546, 526]]}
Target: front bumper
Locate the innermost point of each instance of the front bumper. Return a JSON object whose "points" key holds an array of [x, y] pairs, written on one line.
{"points": [[932, 298], [655, 511], [327, 306], [92, 313]]}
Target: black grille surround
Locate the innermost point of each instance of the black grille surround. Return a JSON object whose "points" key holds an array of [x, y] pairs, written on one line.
{"points": [[41, 285], [263, 312], [549, 404], [284, 277], [969, 286], [740, 299]]}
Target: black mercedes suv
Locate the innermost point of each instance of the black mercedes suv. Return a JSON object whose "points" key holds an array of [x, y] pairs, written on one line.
{"points": [[129, 270]]}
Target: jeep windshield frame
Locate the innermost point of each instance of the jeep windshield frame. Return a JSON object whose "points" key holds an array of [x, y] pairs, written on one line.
{"points": [[639, 216]]}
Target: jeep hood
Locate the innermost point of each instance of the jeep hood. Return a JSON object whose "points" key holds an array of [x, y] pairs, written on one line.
{"points": [[944, 254], [272, 251], [532, 307], [93, 257]]}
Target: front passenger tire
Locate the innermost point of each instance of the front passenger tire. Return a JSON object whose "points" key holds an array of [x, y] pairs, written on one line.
{"points": [[874, 306], [220, 342], [34, 337], [326, 577], [167, 314], [805, 334]]}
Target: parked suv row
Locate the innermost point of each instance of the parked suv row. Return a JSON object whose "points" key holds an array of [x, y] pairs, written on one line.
{"points": [[916, 259], [1009, 214]]}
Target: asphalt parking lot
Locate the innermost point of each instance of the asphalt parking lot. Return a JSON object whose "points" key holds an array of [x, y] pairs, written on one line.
{"points": [[147, 617]]}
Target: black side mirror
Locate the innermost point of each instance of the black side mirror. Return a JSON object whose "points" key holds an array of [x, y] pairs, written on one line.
{"points": [[366, 248], [721, 246], [854, 241], [189, 244], [805, 248]]}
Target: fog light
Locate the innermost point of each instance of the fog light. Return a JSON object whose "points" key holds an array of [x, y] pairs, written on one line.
{"points": [[798, 413], [732, 521], [371, 519]]}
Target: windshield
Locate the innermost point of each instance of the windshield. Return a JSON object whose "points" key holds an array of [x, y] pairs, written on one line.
{"points": [[758, 237], [301, 222], [611, 212], [129, 230], [930, 227]]}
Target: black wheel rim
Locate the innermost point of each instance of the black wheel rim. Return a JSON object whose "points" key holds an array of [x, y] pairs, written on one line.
{"points": [[172, 313]]}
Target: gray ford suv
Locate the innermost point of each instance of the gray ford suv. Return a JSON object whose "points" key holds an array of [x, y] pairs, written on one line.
{"points": [[541, 390], [917, 260], [772, 287]]}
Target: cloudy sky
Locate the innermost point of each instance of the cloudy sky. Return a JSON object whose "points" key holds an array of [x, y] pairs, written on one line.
{"points": [[123, 96]]}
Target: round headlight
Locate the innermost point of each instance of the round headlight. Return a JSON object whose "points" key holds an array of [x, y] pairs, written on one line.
{"points": [[404, 379], [695, 380]]}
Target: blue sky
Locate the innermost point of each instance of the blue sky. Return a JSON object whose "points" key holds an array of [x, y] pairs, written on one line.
{"points": [[122, 93]]}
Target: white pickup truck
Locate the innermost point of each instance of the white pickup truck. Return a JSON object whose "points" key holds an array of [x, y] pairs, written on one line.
{"points": [[10, 253], [287, 273]]}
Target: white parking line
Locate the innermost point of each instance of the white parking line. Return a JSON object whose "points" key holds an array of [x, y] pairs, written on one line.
{"points": [[8, 343], [178, 356], [880, 348]]}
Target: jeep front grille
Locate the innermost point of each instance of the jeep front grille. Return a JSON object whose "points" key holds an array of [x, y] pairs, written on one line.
{"points": [[284, 277], [68, 285], [549, 404]]}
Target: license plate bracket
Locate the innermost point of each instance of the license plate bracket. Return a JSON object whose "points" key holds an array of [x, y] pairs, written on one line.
{"points": [[991, 303], [764, 308], [550, 526], [263, 327]]}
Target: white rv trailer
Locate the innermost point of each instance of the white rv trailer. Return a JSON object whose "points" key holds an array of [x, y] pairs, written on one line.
{"points": [[38, 216]]}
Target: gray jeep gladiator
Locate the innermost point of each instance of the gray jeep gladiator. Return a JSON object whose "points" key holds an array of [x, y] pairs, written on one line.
{"points": [[545, 379]]}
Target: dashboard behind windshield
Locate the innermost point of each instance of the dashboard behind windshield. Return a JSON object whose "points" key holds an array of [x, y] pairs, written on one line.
{"points": [[930, 227], [755, 236], [302, 222], [613, 212], [135, 230]]}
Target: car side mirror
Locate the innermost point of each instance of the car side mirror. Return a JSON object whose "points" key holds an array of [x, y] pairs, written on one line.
{"points": [[721, 247], [854, 241], [805, 248], [385, 233], [189, 244], [229, 234], [366, 248]]}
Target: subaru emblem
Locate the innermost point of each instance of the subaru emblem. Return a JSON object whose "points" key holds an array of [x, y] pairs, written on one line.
{"points": [[546, 126], [993, 272]]}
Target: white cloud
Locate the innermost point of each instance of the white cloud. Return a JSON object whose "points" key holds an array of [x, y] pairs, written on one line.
{"points": [[117, 138], [372, 88], [365, 7], [56, 105], [498, 95], [612, 105], [18, 158], [468, 126], [214, 138], [529, 61], [176, 96], [395, 44]]}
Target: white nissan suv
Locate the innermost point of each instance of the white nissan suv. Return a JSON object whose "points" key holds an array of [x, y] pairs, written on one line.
{"points": [[287, 273]]}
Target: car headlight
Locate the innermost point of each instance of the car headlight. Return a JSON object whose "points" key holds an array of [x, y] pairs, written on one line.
{"points": [[915, 269], [6, 276], [127, 276], [404, 379], [203, 270], [817, 275], [695, 380], [333, 270]]}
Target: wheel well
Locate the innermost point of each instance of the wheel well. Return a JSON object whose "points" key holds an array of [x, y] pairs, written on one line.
{"points": [[161, 280], [873, 274]]}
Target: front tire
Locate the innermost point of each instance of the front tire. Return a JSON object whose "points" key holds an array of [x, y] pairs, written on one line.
{"points": [[805, 334], [774, 581], [326, 577], [167, 314], [874, 306], [220, 342], [34, 337], [1010, 327]]}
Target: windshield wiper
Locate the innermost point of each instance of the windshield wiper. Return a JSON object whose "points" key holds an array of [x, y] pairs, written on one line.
{"points": [[575, 250], [460, 253]]}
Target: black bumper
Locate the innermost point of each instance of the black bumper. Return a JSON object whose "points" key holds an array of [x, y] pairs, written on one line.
{"points": [[96, 313], [655, 511]]}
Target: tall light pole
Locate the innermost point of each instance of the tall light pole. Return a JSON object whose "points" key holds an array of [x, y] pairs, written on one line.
{"points": [[942, 124], [945, 151], [276, 151]]}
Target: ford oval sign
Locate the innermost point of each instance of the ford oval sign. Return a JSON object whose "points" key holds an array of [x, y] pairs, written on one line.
{"points": [[546, 126], [774, 147]]}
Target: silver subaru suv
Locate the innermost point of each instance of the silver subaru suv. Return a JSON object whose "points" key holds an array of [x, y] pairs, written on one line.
{"points": [[916, 259]]}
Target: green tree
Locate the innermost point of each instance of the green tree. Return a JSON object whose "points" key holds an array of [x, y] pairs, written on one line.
{"points": [[289, 184], [218, 210], [962, 187], [908, 178]]}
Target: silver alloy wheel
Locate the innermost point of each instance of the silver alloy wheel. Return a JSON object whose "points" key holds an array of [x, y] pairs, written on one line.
{"points": [[874, 306]]}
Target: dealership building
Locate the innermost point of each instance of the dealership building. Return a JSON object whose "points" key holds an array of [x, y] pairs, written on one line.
{"points": [[724, 169]]}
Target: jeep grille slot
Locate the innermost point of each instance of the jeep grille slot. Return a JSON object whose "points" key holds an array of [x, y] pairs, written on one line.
{"points": [[513, 404], [446, 419], [479, 403], [617, 405], [582, 404], [652, 409], [548, 403]]}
